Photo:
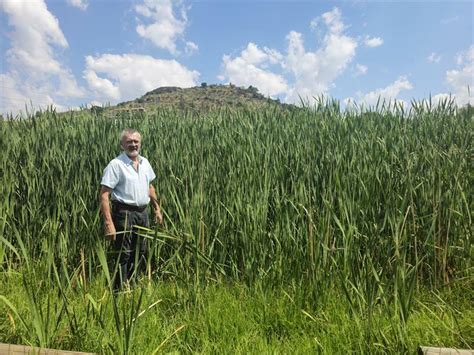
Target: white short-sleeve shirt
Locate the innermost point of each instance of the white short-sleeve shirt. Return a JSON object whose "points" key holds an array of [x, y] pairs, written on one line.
{"points": [[129, 185]]}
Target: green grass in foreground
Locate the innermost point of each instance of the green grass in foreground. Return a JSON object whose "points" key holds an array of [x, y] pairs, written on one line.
{"points": [[227, 318]]}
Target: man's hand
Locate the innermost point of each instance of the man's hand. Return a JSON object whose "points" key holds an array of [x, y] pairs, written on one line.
{"points": [[110, 231], [158, 217], [156, 205]]}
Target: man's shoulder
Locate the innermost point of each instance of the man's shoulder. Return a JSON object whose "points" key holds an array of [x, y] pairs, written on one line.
{"points": [[145, 163], [144, 160], [117, 161]]}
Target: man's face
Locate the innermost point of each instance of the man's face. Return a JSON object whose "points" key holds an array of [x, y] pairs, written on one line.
{"points": [[131, 144]]}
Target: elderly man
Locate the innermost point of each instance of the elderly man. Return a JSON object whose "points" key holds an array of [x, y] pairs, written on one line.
{"points": [[127, 179]]}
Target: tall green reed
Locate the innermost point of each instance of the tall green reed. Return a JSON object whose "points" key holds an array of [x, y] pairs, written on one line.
{"points": [[278, 195]]}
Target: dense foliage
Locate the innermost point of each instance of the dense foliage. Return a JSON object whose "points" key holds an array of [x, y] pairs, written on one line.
{"points": [[374, 204]]}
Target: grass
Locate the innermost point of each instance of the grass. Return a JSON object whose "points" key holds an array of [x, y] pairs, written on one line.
{"points": [[285, 230], [227, 318]]}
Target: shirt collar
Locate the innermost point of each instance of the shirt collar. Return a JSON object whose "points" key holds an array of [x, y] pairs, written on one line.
{"points": [[129, 161]]}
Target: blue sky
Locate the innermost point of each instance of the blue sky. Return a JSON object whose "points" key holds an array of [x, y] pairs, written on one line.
{"points": [[72, 53]]}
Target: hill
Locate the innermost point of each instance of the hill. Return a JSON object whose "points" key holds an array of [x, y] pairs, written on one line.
{"points": [[200, 98]]}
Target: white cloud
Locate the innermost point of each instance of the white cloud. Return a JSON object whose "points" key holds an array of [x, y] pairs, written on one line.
{"points": [[94, 103], [388, 93], [434, 58], [80, 4], [165, 29], [373, 41], [461, 79], [333, 21], [14, 99], [191, 48], [312, 73], [34, 72], [101, 86], [361, 69], [466, 57], [438, 98], [36, 30], [123, 77], [37, 77], [254, 55], [314, 23], [315, 72], [245, 71], [449, 20]]}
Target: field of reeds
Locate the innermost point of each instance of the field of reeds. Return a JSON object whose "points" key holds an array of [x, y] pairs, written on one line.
{"points": [[309, 230]]}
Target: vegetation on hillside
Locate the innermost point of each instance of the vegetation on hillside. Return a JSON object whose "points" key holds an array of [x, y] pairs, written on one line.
{"points": [[200, 99]]}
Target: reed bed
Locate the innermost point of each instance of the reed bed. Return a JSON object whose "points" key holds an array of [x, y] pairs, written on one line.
{"points": [[373, 204]]}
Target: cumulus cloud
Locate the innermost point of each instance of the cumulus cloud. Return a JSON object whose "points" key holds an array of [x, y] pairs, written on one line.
{"points": [[115, 77], [159, 24], [35, 32], [461, 79], [315, 72], [333, 20], [312, 73], [191, 48], [254, 55], [373, 41], [466, 57], [35, 75], [249, 69], [15, 98], [438, 98], [80, 4], [34, 72], [361, 69], [434, 58], [388, 93], [102, 87]]}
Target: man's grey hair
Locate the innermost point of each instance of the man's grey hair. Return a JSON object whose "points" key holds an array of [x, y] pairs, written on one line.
{"points": [[128, 131]]}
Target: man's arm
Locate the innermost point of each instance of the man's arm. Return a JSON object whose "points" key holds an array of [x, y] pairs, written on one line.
{"points": [[106, 214], [156, 205]]}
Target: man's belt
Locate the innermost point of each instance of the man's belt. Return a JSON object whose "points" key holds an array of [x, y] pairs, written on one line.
{"points": [[119, 206]]}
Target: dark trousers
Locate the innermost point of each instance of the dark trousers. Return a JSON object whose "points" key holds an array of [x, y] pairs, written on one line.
{"points": [[129, 248]]}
